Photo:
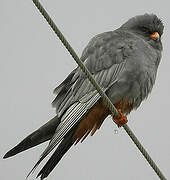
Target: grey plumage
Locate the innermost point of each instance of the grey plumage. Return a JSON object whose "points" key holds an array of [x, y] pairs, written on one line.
{"points": [[124, 62], [44, 133]]}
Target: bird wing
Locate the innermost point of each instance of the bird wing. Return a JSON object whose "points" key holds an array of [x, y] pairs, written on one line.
{"points": [[105, 59]]}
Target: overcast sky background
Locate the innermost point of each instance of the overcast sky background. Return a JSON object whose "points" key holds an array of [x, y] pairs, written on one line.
{"points": [[33, 61]]}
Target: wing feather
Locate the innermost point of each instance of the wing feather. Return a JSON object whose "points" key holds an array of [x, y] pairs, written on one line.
{"points": [[76, 95], [68, 121], [104, 78]]}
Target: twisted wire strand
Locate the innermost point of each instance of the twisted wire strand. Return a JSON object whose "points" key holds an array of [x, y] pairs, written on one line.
{"points": [[106, 100]]}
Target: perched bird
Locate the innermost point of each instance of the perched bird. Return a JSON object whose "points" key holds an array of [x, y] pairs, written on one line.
{"points": [[124, 62]]}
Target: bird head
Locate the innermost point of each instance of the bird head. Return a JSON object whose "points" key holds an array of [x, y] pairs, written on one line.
{"points": [[147, 26]]}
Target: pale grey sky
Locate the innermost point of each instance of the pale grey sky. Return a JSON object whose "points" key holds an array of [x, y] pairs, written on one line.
{"points": [[33, 61]]}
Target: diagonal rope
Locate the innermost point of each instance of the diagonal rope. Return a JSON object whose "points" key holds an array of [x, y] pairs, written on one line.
{"points": [[106, 100]]}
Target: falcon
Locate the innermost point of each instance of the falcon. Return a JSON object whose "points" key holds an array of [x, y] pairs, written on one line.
{"points": [[124, 62]]}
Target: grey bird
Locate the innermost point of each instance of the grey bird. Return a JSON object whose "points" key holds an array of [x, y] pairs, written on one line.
{"points": [[124, 62]]}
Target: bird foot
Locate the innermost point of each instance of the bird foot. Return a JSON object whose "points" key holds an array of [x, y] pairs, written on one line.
{"points": [[122, 120]]}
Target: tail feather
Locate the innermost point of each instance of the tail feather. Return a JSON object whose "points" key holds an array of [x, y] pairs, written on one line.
{"points": [[63, 147], [44, 133]]}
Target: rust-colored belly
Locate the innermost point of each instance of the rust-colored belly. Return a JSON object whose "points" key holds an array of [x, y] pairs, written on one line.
{"points": [[124, 106], [95, 117]]}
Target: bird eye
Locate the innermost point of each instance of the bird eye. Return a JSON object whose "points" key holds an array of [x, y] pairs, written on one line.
{"points": [[144, 29]]}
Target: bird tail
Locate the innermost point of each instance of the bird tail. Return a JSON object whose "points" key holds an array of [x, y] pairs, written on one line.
{"points": [[63, 147], [44, 133]]}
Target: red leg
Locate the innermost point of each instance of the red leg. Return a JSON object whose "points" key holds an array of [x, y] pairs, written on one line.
{"points": [[122, 120]]}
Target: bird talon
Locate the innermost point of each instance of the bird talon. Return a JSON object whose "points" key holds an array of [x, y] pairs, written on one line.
{"points": [[122, 120]]}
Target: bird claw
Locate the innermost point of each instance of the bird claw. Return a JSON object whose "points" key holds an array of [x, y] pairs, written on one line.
{"points": [[122, 120]]}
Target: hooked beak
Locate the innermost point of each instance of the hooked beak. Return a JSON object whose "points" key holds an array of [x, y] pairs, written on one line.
{"points": [[155, 36]]}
